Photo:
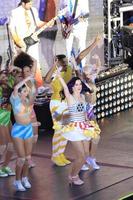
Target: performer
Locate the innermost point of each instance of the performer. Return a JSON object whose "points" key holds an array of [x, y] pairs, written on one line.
{"points": [[22, 133], [28, 71], [90, 74], [47, 11], [73, 22], [28, 22], [58, 108], [78, 129], [28, 66], [5, 124]]}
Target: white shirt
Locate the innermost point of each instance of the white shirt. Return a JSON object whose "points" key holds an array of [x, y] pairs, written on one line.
{"points": [[82, 7], [18, 21]]}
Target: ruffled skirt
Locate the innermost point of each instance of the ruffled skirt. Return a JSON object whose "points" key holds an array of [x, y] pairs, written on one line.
{"points": [[78, 131]]}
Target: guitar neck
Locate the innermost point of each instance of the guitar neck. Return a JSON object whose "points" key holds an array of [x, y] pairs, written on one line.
{"points": [[45, 26], [76, 20]]}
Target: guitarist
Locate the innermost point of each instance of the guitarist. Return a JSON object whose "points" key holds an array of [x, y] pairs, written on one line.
{"points": [[23, 22], [74, 24]]}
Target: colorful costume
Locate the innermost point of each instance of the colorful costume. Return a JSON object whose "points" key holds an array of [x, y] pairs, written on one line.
{"points": [[58, 110], [20, 130], [78, 129], [5, 108]]}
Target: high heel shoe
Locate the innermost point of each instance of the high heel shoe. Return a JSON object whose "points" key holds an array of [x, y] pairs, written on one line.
{"points": [[75, 180]]}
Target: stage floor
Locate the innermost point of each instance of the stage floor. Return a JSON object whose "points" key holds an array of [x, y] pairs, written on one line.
{"points": [[112, 181]]}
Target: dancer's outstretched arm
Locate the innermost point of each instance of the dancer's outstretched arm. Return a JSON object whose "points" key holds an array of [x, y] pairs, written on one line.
{"points": [[86, 51]]}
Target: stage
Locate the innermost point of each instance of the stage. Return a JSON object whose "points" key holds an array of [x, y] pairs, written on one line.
{"points": [[112, 181]]}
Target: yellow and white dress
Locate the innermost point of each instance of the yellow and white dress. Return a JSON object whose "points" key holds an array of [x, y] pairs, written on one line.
{"points": [[78, 129]]}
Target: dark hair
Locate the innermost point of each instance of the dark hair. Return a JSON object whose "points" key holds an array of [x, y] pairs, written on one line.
{"points": [[21, 88], [22, 60], [71, 84], [60, 56], [23, 1]]}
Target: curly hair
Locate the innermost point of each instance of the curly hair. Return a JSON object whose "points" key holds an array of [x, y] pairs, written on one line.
{"points": [[22, 60]]}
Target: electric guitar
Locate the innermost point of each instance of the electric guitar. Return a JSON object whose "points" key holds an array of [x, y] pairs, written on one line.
{"points": [[68, 24], [33, 38]]}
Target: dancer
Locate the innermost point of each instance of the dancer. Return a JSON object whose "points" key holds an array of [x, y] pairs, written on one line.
{"points": [[5, 125], [79, 129], [22, 132], [91, 73], [27, 71], [28, 66], [58, 108]]}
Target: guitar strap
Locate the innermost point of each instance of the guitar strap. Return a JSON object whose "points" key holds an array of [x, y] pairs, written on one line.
{"points": [[33, 16], [74, 10]]}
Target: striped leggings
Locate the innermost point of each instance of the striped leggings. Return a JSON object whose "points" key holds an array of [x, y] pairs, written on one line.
{"points": [[59, 143]]}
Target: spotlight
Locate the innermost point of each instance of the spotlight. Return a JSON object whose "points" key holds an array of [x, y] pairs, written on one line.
{"points": [[114, 94]]}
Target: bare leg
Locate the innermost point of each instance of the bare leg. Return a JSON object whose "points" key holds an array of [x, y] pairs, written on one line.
{"points": [[91, 159], [20, 150], [86, 145], [5, 132], [28, 143], [80, 160]]}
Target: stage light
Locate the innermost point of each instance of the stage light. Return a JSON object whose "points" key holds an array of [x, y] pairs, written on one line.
{"points": [[114, 103], [102, 101], [129, 91], [122, 100], [110, 91], [114, 94], [114, 110], [110, 84], [118, 95], [106, 92], [129, 78], [118, 108], [121, 80], [118, 82], [110, 105], [118, 88], [102, 94], [114, 83], [114, 90], [106, 86], [130, 104], [102, 87], [122, 94], [129, 84], [118, 101], [98, 95], [129, 98], [125, 85]]}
